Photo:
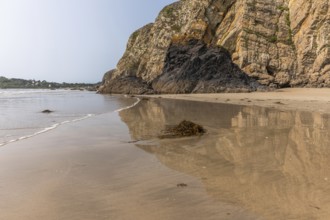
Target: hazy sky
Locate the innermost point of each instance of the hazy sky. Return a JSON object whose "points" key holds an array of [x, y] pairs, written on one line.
{"points": [[68, 40]]}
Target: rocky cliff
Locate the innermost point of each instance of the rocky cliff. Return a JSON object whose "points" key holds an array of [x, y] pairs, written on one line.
{"points": [[227, 45]]}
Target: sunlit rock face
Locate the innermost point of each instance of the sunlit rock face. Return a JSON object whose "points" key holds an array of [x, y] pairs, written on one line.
{"points": [[273, 163], [279, 43]]}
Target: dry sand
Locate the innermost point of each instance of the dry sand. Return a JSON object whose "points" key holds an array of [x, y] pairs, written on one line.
{"points": [[305, 99]]}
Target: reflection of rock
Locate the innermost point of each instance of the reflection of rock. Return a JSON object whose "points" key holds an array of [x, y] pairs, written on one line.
{"points": [[148, 118], [137, 120], [274, 163]]}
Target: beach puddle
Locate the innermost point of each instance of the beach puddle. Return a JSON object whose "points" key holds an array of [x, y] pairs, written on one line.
{"points": [[267, 163]]}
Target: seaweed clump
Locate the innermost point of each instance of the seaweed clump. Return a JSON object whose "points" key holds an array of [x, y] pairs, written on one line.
{"points": [[183, 129], [47, 111]]}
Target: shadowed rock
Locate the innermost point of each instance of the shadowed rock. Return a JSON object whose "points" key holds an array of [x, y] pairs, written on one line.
{"points": [[190, 67], [194, 67], [124, 84]]}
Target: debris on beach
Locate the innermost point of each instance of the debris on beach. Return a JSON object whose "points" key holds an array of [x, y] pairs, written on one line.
{"points": [[181, 185], [134, 141], [183, 129], [47, 111]]}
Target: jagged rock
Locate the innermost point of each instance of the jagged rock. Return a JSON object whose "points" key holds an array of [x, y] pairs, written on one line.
{"points": [[279, 43], [195, 68], [127, 85], [124, 85]]}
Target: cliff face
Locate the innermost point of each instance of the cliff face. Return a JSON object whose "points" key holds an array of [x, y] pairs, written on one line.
{"points": [[275, 43]]}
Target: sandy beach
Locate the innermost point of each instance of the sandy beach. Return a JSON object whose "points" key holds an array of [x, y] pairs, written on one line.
{"points": [[96, 169], [305, 99], [253, 162]]}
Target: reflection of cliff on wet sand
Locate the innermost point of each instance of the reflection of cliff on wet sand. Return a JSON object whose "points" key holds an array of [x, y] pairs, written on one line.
{"points": [[273, 163]]}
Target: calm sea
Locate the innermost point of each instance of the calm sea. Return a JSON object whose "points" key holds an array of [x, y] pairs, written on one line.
{"points": [[21, 114]]}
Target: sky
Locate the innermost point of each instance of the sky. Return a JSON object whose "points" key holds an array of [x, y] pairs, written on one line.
{"points": [[68, 40]]}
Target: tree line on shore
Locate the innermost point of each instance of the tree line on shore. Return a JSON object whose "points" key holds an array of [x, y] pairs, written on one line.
{"points": [[14, 83]]}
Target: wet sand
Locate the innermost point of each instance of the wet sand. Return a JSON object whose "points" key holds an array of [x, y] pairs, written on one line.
{"points": [[272, 163], [305, 99], [92, 170], [253, 163]]}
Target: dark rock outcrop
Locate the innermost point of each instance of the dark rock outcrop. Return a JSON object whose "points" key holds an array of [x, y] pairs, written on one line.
{"points": [[193, 67], [124, 85], [190, 66]]}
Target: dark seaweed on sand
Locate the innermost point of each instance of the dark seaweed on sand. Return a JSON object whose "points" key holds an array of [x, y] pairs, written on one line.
{"points": [[46, 111], [183, 129]]}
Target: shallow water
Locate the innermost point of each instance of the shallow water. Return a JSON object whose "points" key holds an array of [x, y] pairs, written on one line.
{"points": [[274, 164], [21, 117]]}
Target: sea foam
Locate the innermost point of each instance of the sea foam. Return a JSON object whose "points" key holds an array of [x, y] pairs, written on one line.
{"points": [[56, 125]]}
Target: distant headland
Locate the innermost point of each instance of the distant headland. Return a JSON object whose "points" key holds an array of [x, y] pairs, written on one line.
{"points": [[14, 83]]}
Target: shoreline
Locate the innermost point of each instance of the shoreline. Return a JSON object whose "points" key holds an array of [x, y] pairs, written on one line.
{"points": [[114, 164], [94, 163], [303, 99]]}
